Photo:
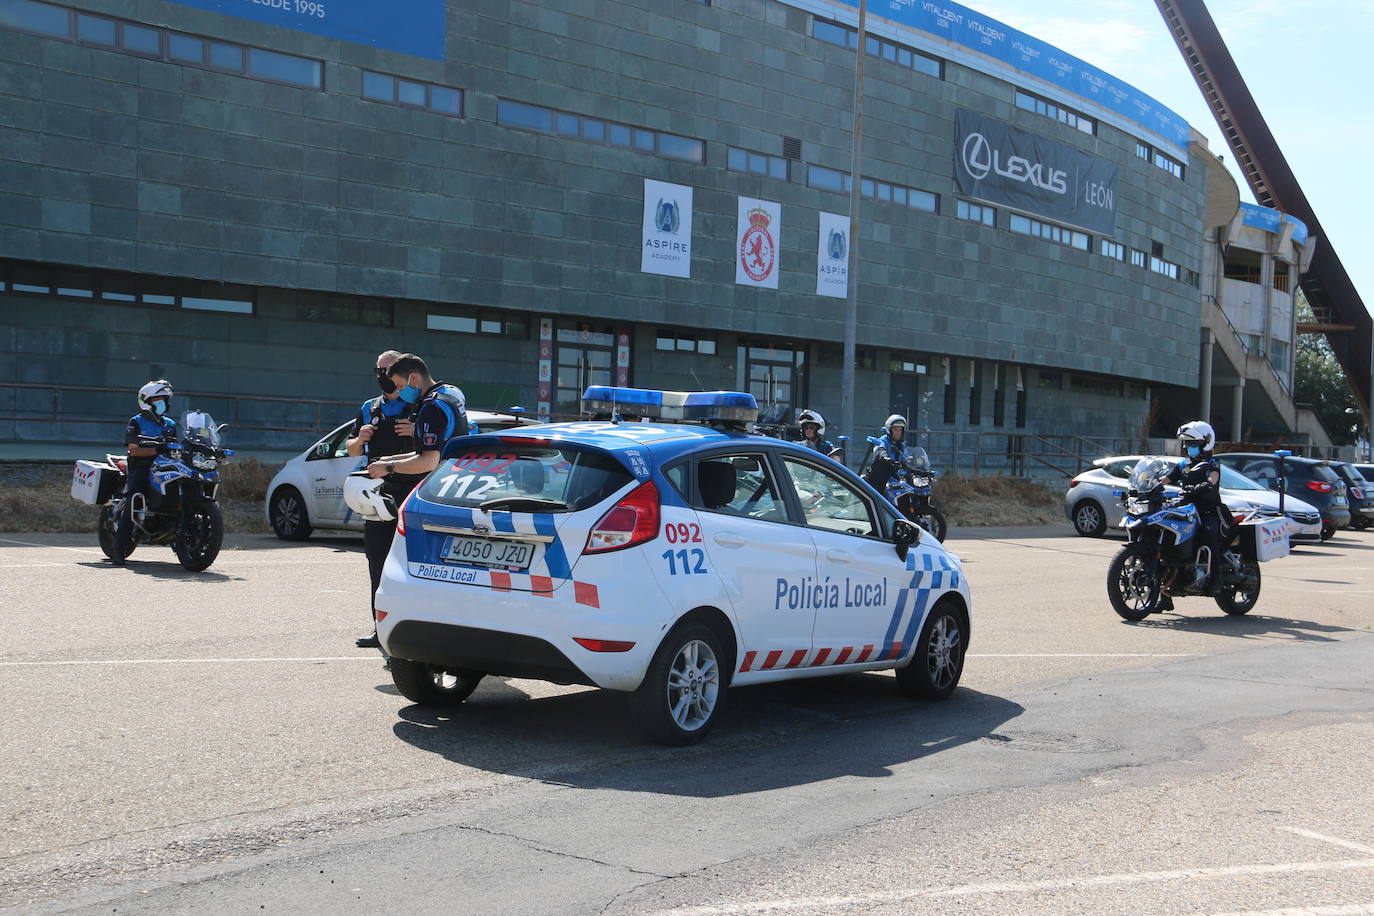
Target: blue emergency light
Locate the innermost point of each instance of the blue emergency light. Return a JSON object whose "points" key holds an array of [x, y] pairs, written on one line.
{"points": [[652, 403]]}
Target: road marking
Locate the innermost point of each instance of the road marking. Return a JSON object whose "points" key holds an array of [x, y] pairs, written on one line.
{"points": [[1350, 909], [1335, 841], [1016, 887], [191, 661], [1082, 655], [50, 546]]}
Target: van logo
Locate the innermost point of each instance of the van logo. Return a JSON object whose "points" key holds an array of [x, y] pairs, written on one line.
{"points": [[480, 529]]}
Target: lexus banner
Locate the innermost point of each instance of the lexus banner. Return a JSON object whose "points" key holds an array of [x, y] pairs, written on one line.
{"points": [[1005, 165]]}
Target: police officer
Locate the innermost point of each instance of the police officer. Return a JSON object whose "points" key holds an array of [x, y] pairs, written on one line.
{"points": [[441, 414], [147, 432], [888, 452], [1199, 474], [813, 433], [384, 427]]}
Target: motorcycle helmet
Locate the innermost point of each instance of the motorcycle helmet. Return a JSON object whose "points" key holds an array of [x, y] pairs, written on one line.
{"points": [[812, 416], [363, 494], [159, 388], [1198, 434], [895, 420]]}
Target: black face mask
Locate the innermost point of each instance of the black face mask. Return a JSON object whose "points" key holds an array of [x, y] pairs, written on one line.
{"points": [[384, 381]]}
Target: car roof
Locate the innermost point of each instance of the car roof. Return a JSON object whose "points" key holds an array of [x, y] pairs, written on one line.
{"points": [[664, 441], [1291, 458]]}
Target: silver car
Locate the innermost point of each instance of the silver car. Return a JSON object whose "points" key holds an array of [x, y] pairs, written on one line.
{"points": [[1091, 507]]}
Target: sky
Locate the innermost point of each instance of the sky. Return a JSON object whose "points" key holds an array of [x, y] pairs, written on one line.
{"points": [[1308, 63]]}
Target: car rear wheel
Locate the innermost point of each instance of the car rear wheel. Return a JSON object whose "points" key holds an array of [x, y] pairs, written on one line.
{"points": [[684, 688], [1089, 518], [1328, 531], [287, 512], [1359, 523], [433, 685]]}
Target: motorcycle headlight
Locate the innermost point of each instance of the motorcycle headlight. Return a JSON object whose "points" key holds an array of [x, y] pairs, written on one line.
{"points": [[203, 462], [1137, 506]]}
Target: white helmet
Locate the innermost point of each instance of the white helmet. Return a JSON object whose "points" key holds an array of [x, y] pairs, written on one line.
{"points": [[812, 416], [1199, 433], [894, 420], [160, 388], [364, 495]]}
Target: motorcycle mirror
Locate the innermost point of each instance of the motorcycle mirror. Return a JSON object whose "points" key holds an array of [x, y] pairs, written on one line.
{"points": [[222, 427], [905, 534]]}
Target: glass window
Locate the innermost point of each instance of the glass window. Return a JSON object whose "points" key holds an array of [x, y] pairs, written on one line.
{"points": [[866, 187], [829, 31], [449, 101], [566, 124], [739, 485], [95, 29], [185, 47], [737, 160], [284, 67], [706, 346], [777, 168], [666, 343], [408, 93], [379, 86], [459, 323], [923, 200], [518, 114], [830, 503], [159, 299], [117, 296], [36, 17], [899, 196], [140, 40], [230, 57], [593, 129], [620, 135], [644, 140], [680, 147], [490, 326], [562, 479], [758, 163], [75, 292], [217, 305], [823, 178], [904, 57]]}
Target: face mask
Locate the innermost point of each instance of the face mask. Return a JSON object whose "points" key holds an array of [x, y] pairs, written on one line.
{"points": [[384, 382], [1194, 451], [410, 394], [159, 407]]}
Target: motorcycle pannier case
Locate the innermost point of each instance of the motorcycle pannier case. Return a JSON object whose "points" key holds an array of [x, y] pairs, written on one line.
{"points": [[93, 482], [1271, 539]]}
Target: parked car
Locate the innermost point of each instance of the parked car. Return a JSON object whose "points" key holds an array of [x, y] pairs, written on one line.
{"points": [[1308, 478], [1093, 509], [307, 493], [1360, 489]]}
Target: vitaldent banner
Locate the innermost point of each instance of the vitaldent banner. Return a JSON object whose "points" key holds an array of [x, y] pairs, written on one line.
{"points": [[832, 256], [413, 27], [667, 244], [1006, 165], [758, 238]]}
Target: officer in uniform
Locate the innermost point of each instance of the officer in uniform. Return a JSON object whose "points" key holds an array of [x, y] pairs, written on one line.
{"points": [[812, 426], [441, 414], [384, 427], [888, 453], [1199, 475], [147, 432]]}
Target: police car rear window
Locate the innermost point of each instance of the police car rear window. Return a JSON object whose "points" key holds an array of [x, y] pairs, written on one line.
{"points": [[524, 478]]}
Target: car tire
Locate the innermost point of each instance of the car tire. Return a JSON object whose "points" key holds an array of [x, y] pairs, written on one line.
{"points": [[288, 514], [937, 661], [1089, 518], [1328, 531], [1359, 523], [682, 693], [433, 685]]}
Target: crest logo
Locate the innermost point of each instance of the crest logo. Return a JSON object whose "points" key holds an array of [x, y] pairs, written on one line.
{"points": [[836, 245], [667, 218], [757, 253]]}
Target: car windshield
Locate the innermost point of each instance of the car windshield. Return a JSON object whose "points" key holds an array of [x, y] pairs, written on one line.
{"points": [[524, 478], [1150, 473], [199, 427], [1234, 480]]}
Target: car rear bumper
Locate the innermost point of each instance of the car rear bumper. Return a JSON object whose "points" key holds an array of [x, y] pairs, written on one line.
{"points": [[490, 651]]}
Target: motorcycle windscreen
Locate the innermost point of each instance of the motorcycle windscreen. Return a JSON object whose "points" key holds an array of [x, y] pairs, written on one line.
{"points": [[199, 426], [1150, 473]]}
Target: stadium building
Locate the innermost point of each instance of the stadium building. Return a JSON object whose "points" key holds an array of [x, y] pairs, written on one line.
{"points": [[253, 197]]}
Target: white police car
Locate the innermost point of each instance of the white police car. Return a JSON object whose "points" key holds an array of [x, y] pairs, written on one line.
{"points": [[308, 491], [669, 560]]}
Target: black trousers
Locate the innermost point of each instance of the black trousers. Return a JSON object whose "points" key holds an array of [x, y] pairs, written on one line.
{"points": [[377, 538]]}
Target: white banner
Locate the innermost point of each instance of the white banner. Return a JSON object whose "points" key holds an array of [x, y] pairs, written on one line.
{"points": [[758, 239], [832, 256], [667, 244]]}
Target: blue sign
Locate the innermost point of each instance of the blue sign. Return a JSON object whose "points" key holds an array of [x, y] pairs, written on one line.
{"points": [[414, 27], [1271, 220], [985, 35]]}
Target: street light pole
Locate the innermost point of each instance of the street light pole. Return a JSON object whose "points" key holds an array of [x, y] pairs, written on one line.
{"points": [[851, 306]]}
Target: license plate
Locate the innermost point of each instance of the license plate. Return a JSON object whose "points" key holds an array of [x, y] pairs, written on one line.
{"points": [[475, 551]]}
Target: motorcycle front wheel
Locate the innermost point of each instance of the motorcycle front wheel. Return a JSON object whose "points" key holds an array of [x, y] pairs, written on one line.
{"points": [[202, 532], [932, 520], [1239, 599], [1134, 593], [107, 532]]}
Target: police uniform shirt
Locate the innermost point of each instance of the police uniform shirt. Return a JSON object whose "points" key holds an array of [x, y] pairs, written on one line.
{"points": [[1196, 475], [383, 414], [145, 425], [442, 415]]}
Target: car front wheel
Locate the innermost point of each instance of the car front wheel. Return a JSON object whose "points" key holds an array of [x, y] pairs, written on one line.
{"points": [[287, 512], [938, 660], [684, 688]]}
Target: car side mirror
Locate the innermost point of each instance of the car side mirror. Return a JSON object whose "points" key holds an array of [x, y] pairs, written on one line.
{"points": [[905, 535]]}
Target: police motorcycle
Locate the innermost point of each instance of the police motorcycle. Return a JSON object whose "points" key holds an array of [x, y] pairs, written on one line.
{"points": [[909, 489], [1162, 560], [181, 510]]}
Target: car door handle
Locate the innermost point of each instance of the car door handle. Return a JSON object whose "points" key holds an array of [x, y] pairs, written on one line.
{"points": [[726, 539], [838, 556]]}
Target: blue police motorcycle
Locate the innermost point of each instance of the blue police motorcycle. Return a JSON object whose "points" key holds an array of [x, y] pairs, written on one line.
{"points": [[1162, 559], [180, 510], [909, 489]]}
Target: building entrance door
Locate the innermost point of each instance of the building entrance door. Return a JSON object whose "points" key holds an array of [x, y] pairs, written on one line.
{"points": [[902, 391], [776, 378], [585, 356]]}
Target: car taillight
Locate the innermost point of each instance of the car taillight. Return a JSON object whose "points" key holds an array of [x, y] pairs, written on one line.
{"points": [[1073, 483], [633, 520], [1321, 486], [1356, 492], [401, 515], [1239, 517]]}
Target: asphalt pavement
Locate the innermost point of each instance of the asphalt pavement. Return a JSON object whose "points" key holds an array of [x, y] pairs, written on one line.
{"points": [[176, 742]]}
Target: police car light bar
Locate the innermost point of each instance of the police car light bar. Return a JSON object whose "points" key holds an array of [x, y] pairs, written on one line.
{"points": [[651, 403]]}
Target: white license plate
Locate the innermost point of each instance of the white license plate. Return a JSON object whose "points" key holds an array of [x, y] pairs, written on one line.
{"points": [[495, 552]]}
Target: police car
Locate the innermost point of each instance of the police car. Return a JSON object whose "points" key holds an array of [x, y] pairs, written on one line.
{"points": [[308, 492], [669, 560]]}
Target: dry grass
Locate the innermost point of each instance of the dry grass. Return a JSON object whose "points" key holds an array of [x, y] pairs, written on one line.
{"points": [[996, 501], [37, 498]]}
